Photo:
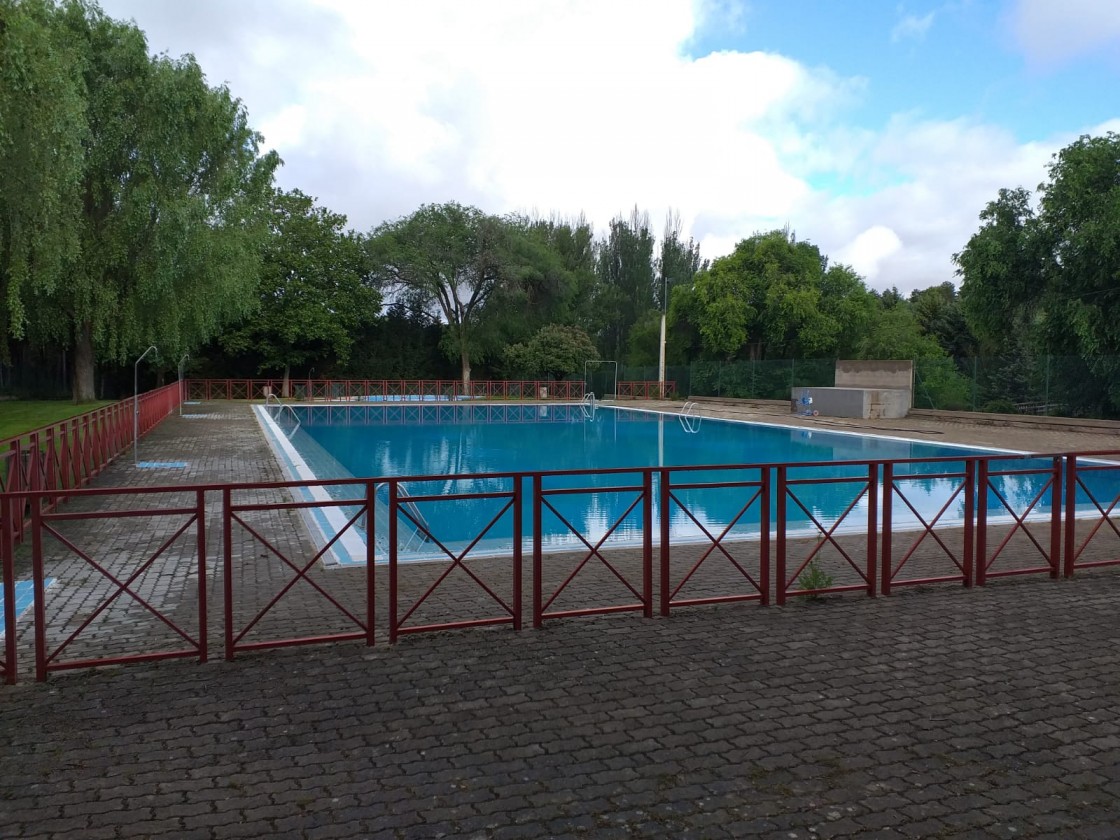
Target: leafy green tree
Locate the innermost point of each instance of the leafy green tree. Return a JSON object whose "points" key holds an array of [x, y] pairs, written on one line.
{"points": [[678, 261], [313, 291], [555, 351], [1048, 276], [173, 208], [552, 274], [1002, 269], [940, 315], [451, 258], [42, 128], [399, 344], [776, 297], [627, 285]]}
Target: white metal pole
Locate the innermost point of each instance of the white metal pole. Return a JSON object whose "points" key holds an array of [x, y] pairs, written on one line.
{"points": [[661, 358], [136, 406]]}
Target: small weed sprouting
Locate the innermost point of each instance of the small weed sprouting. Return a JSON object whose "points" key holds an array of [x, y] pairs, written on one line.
{"points": [[814, 577]]}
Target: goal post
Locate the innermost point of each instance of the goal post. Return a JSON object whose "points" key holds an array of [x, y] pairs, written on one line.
{"points": [[598, 376]]}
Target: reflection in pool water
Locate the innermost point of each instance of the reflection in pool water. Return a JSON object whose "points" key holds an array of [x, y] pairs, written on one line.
{"points": [[448, 440]]}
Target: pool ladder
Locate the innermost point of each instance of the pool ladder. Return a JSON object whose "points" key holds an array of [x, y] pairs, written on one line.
{"points": [[690, 418], [588, 405], [280, 410], [419, 524]]}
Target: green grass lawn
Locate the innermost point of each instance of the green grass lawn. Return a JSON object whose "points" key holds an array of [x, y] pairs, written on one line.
{"points": [[19, 416]]}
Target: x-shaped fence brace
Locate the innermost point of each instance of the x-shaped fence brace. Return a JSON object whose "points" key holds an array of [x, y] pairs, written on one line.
{"points": [[513, 501], [540, 501], [233, 639], [869, 487], [965, 564], [1051, 556], [46, 661], [761, 586]]}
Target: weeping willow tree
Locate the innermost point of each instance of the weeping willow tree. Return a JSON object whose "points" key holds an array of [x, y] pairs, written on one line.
{"points": [[160, 215]]}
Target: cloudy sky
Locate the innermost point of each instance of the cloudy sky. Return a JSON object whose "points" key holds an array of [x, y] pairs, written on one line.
{"points": [[876, 129]]}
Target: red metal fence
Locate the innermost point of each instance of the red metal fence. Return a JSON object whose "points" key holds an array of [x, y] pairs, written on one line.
{"points": [[645, 390], [276, 591], [66, 455], [382, 390]]}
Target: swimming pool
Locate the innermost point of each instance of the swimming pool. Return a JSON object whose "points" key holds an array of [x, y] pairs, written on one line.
{"points": [[447, 440]]}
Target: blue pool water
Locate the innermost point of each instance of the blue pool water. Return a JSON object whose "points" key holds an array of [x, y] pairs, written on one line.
{"points": [[449, 439]]}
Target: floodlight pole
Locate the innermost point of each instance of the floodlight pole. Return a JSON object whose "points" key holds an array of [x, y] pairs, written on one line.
{"points": [[661, 358], [181, 395], [136, 406]]}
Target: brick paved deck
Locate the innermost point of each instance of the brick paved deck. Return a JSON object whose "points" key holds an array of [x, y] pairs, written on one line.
{"points": [[933, 713]]}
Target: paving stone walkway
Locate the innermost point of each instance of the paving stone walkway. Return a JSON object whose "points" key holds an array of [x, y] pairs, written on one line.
{"points": [[933, 713]]}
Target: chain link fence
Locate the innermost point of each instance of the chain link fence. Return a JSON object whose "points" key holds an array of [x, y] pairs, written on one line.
{"points": [[1069, 386]]}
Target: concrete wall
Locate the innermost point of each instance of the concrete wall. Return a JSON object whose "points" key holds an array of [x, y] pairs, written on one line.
{"points": [[865, 403], [875, 374]]}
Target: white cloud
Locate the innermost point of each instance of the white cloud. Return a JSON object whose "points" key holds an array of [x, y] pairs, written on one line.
{"points": [[869, 249], [580, 105], [1051, 32], [912, 26]]}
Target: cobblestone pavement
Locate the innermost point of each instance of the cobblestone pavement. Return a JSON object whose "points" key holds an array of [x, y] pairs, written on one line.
{"points": [[936, 712]]}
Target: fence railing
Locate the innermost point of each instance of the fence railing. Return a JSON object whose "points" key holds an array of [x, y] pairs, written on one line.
{"points": [[646, 536], [646, 390], [66, 455], [382, 390]]}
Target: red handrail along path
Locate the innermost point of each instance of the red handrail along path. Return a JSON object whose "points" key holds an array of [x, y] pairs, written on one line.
{"points": [[68, 454]]}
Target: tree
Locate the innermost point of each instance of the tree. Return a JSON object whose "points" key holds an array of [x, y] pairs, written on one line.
{"points": [[450, 257], [1049, 276], [555, 350], [1002, 269], [775, 296], [172, 211], [627, 288], [313, 290], [941, 316], [42, 128]]}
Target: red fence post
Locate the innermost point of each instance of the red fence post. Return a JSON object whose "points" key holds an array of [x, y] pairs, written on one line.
{"points": [[1056, 519], [518, 480], [647, 542], [392, 561], [371, 560], [872, 525], [7, 564], [969, 522], [200, 524], [538, 584], [982, 522], [888, 500], [663, 506], [1071, 514], [764, 536], [227, 568], [780, 560], [39, 588]]}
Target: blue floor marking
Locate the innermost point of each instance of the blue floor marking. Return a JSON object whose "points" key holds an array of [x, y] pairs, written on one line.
{"points": [[25, 597], [162, 465]]}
